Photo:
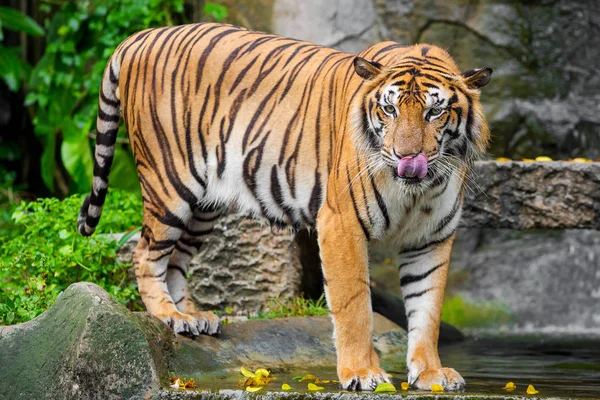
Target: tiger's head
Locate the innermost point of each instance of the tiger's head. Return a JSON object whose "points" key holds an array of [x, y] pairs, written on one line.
{"points": [[419, 115]]}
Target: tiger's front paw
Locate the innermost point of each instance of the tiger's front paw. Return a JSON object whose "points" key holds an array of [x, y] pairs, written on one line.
{"points": [[447, 378], [209, 322], [365, 379]]}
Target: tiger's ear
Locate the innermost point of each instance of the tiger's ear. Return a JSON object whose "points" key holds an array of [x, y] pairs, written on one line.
{"points": [[367, 69], [477, 77]]}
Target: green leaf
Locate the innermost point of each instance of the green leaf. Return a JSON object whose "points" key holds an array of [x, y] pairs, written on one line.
{"points": [[385, 388], [17, 21], [77, 157], [216, 11], [48, 161], [128, 236], [13, 70], [123, 174]]}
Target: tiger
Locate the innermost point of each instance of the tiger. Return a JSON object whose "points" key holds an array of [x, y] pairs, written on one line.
{"points": [[360, 148]]}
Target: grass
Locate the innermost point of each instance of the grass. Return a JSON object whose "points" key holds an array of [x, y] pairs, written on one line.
{"points": [[465, 314], [293, 307]]}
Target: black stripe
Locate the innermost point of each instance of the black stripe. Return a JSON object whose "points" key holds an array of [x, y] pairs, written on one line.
{"points": [[432, 243], [380, 203], [178, 268], [356, 211], [107, 117], [408, 279], [112, 103], [448, 218], [418, 294]]}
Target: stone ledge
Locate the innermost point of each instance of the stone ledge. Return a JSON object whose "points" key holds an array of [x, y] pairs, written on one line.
{"points": [[523, 195]]}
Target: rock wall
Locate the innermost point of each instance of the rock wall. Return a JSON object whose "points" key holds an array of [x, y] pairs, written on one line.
{"points": [[242, 265], [546, 86]]}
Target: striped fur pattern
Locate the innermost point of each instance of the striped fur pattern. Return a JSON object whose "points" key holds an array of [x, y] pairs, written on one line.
{"points": [[305, 136]]}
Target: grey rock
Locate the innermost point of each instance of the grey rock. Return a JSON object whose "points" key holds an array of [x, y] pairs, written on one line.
{"points": [[348, 25], [522, 195], [88, 346], [242, 264], [550, 282]]}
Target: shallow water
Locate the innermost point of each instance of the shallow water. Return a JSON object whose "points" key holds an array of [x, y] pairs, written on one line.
{"points": [[557, 368]]}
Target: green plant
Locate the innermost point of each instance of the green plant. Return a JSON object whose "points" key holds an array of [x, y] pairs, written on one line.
{"points": [[9, 200], [64, 85], [293, 307], [13, 69], [465, 314], [49, 254], [215, 11]]}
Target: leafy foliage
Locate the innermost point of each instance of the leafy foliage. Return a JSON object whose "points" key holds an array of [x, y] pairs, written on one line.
{"points": [[64, 85], [9, 199], [49, 255], [13, 69], [465, 314], [215, 11], [294, 307]]}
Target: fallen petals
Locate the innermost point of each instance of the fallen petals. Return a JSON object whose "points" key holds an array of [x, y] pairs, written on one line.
{"points": [[385, 388], [404, 385], [580, 159], [307, 377], [285, 386], [527, 160], [262, 371], [253, 388], [437, 388], [543, 158], [317, 380], [247, 373], [190, 384], [176, 383], [510, 386], [531, 390], [312, 386], [503, 159]]}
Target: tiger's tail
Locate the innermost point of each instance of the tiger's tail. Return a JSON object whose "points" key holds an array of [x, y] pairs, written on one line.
{"points": [[106, 137]]}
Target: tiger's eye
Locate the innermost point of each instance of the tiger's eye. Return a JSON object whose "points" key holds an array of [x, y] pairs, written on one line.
{"points": [[434, 112], [389, 109]]}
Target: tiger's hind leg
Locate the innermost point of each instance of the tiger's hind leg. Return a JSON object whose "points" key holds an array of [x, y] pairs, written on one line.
{"points": [[160, 233], [200, 225]]}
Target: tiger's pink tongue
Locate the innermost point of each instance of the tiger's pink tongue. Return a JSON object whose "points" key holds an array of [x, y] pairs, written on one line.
{"points": [[411, 167]]}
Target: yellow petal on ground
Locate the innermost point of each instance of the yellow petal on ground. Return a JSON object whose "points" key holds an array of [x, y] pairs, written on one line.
{"points": [[176, 384], [510, 386], [385, 388], [531, 390], [247, 373], [253, 388], [190, 384], [335, 381], [580, 159], [543, 158], [285, 386], [307, 377], [312, 386], [404, 385], [437, 388], [527, 159], [262, 371], [317, 380], [503, 159]]}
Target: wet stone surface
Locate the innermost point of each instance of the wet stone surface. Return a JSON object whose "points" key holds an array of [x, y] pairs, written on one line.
{"points": [[87, 346]]}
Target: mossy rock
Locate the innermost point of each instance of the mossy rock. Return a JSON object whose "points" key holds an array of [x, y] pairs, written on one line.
{"points": [[88, 346]]}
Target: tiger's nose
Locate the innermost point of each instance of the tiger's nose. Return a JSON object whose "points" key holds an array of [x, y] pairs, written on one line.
{"points": [[401, 155]]}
